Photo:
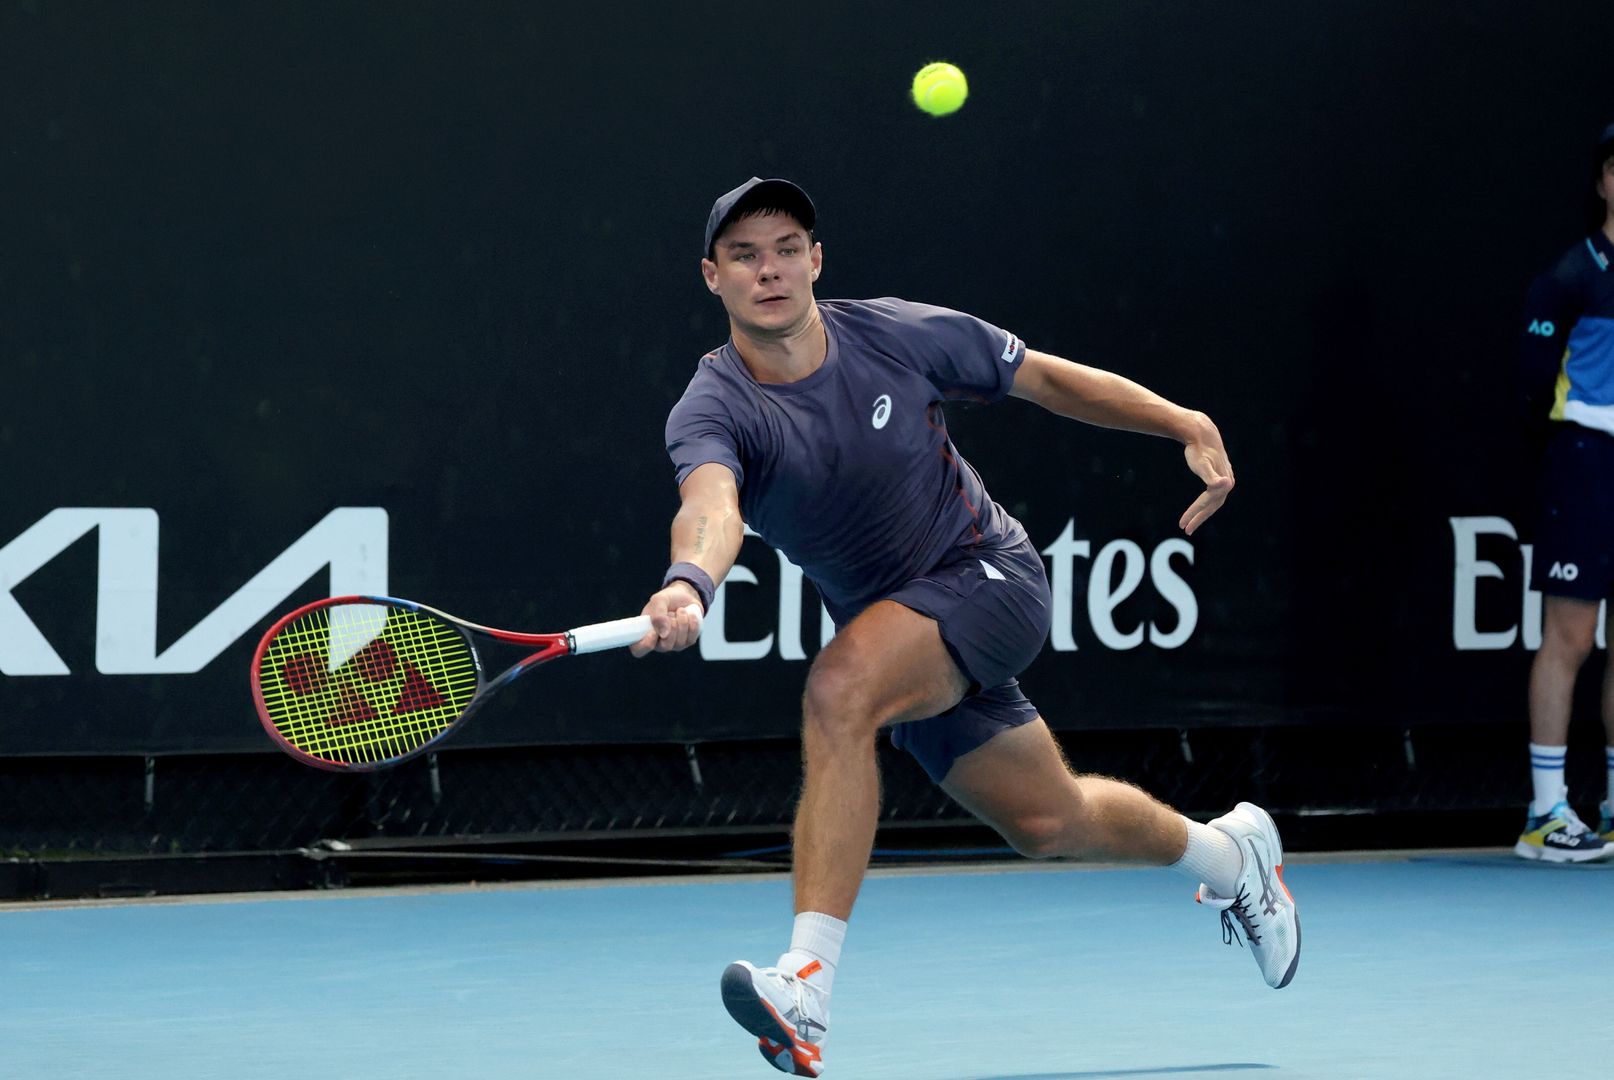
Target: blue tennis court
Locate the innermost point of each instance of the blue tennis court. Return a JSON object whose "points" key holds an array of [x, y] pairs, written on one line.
{"points": [[1460, 966]]}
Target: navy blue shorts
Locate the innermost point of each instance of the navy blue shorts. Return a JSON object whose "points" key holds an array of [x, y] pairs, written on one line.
{"points": [[1574, 543], [993, 608]]}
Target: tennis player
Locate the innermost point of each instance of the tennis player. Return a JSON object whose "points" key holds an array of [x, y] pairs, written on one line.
{"points": [[820, 423], [1567, 367]]}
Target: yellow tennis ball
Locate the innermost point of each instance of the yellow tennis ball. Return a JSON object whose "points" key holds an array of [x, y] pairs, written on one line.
{"points": [[940, 89]]}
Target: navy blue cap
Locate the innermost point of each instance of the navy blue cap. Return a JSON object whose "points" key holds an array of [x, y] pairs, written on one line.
{"points": [[781, 193], [1607, 141]]}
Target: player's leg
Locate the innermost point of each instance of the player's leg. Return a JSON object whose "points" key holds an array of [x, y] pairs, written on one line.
{"points": [[1020, 783], [886, 666]]}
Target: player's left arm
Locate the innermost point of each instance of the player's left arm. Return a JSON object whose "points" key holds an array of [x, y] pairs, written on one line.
{"points": [[1106, 399]]}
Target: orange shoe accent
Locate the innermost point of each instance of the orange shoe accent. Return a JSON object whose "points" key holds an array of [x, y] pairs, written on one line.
{"points": [[802, 1053], [1286, 892], [805, 1060], [802, 1059], [811, 969]]}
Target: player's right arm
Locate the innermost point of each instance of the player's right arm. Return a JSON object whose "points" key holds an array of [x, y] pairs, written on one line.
{"points": [[706, 533]]}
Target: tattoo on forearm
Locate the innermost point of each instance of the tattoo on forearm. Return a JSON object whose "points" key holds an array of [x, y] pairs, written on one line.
{"points": [[700, 534]]}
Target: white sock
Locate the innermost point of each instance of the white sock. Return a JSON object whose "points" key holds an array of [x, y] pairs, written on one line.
{"points": [[1547, 777], [1211, 857], [1610, 752], [815, 938]]}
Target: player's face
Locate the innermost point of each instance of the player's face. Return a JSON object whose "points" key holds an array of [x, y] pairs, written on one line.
{"points": [[764, 272]]}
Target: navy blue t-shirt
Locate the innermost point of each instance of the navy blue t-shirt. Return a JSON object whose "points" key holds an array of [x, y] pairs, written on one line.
{"points": [[850, 471]]}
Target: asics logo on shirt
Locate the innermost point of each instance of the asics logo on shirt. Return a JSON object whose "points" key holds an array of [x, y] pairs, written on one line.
{"points": [[882, 411]]}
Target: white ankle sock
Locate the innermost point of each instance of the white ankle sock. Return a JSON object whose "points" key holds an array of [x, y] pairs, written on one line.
{"points": [[1211, 857], [1547, 777], [815, 937]]}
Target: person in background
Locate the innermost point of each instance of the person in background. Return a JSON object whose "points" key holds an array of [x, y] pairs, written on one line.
{"points": [[1567, 376]]}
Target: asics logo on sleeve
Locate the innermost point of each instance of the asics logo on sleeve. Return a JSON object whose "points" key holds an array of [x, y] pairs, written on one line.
{"points": [[882, 411], [1010, 349]]}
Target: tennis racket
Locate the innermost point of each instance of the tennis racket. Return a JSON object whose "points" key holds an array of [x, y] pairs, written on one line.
{"points": [[358, 683]]}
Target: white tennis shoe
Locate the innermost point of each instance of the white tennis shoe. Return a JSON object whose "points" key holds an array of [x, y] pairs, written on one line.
{"points": [[787, 1014], [1262, 906]]}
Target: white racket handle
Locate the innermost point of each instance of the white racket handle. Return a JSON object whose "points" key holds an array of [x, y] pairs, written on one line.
{"points": [[597, 637]]}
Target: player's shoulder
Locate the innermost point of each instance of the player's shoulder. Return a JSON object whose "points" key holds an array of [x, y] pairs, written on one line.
{"points": [[714, 370], [713, 387], [892, 321], [884, 311]]}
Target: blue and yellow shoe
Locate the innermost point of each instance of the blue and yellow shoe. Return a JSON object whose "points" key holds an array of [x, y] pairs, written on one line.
{"points": [[1559, 836]]}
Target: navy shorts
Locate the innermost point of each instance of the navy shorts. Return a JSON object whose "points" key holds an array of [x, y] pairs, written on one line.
{"points": [[992, 605], [1574, 543]]}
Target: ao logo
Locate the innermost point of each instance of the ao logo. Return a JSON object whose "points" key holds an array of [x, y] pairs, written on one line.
{"points": [[882, 411], [1564, 571], [1541, 327]]}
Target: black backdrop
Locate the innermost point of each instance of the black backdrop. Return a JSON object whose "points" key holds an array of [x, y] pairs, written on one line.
{"points": [[261, 262]]}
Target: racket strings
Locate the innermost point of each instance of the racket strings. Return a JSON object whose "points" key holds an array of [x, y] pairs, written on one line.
{"points": [[371, 683], [361, 714]]}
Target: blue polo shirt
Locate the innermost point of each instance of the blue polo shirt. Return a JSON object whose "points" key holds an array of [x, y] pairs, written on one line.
{"points": [[850, 472]]}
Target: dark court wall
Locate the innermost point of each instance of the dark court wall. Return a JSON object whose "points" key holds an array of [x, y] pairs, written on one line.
{"points": [[423, 278]]}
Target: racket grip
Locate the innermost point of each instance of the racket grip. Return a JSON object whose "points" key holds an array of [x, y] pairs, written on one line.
{"points": [[597, 637]]}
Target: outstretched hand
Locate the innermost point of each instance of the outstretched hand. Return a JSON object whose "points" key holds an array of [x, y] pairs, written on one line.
{"points": [[1208, 459], [675, 621]]}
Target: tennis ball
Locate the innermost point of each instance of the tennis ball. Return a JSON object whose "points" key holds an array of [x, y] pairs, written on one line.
{"points": [[940, 89]]}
